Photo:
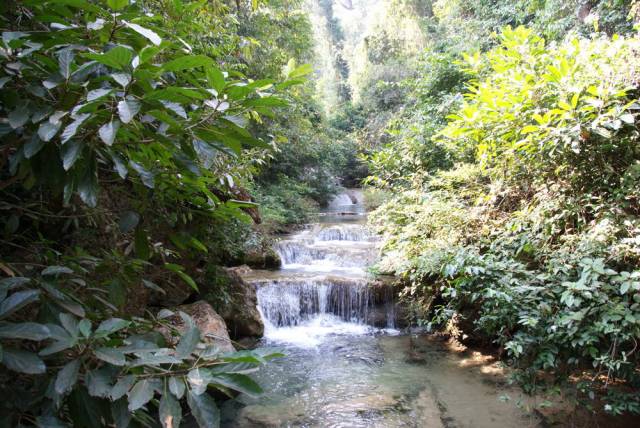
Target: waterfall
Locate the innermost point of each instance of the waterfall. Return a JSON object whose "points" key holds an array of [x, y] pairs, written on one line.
{"points": [[323, 287], [288, 303]]}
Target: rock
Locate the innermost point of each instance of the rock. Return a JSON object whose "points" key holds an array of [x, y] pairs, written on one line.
{"points": [[241, 313], [262, 259], [211, 325]]}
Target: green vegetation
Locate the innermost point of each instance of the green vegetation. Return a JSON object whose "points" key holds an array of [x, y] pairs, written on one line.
{"points": [[514, 166], [131, 132], [146, 144]]}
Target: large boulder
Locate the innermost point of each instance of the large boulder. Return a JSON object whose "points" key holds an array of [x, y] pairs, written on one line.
{"points": [[241, 312], [211, 325]]}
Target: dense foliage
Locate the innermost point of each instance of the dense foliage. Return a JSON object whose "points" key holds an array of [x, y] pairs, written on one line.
{"points": [[518, 211], [130, 132]]}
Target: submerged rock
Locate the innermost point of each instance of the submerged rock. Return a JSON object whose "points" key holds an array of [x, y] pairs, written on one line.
{"points": [[241, 312]]}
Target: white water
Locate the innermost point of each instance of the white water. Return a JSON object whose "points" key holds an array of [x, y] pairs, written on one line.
{"points": [[343, 366], [323, 289]]}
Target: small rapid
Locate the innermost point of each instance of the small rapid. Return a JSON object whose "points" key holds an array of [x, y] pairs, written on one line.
{"points": [[347, 362]]}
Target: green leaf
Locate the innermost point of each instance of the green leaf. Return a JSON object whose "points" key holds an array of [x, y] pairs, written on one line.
{"points": [[111, 356], [188, 342], [67, 377], [153, 286], [303, 70], [117, 4], [119, 165], [199, 379], [188, 62], [215, 79], [141, 244], [239, 382], [119, 57], [65, 58], [98, 382], [17, 301], [70, 324], [121, 414], [108, 132], [177, 387], [127, 109], [170, 411], [98, 93], [22, 361], [145, 32], [56, 270], [141, 393], [73, 127], [110, 326], [123, 79], [19, 116], [122, 387], [7, 284], [24, 330], [88, 186], [58, 346], [128, 221], [84, 326], [145, 175], [204, 410], [70, 153], [48, 130], [627, 118], [179, 270]]}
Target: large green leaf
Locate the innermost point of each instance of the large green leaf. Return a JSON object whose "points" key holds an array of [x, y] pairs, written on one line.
{"points": [[204, 410], [141, 393], [56, 270], [98, 381], [67, 377], [188, 342], [177, 387], [118, 57], [110, 326], [121, 414], [72, 128], [22, 361], [215, 78], [149, 34], [122, 387], [70, 153], [87, 411], [17, 301], [108, 131], [24, 330], [127, 109], [111, 356], [239, 382], [188, 62], [169, 412]]}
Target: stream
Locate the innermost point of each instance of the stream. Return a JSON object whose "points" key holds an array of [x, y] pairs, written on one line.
{"points": [[348, 363]]}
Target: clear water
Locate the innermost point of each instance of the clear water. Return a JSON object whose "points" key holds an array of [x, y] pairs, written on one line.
{"points": [[340, 370]]}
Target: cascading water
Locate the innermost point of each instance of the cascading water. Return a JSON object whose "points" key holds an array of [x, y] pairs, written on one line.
{"points": [[345, 365], [323, 279], [289, 303]]}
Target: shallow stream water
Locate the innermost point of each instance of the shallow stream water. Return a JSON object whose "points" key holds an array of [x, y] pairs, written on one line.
{"points": [[346, 364]]}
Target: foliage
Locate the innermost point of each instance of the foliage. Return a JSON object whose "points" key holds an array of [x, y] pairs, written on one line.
{"points": [[532, 242], [126, 128]]}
